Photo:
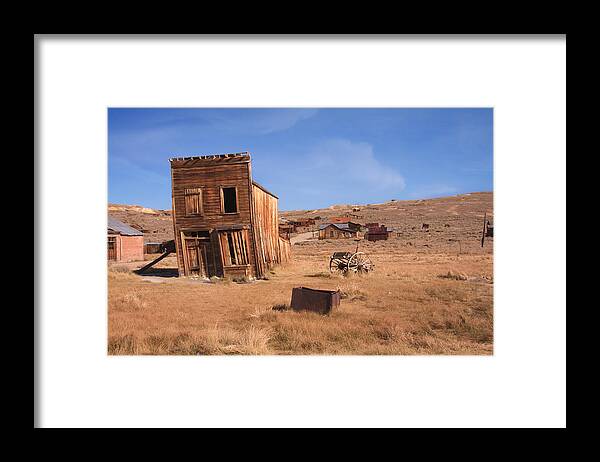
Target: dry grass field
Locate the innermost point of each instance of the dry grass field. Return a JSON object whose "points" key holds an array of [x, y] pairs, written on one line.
{"points": [[431, 293]]}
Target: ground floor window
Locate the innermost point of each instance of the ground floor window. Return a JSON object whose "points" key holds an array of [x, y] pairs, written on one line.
{"points": [[234, 247]]}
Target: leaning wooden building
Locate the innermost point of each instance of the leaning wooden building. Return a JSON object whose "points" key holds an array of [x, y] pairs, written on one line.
{"points": [[225, 223]]}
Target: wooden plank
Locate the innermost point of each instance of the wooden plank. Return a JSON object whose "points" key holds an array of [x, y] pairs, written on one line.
{"points": [[238, 239], [234, 245], [242, 238], [224, 249]]}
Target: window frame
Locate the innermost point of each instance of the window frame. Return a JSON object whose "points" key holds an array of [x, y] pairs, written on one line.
{"points": [[241, 247], [198, 191], [237, 200]]}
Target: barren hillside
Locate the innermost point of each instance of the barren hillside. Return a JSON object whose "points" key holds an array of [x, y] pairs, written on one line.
{"points": [[451, 219], [156, 225]]}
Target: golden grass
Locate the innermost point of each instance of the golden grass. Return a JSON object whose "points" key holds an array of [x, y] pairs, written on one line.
{"points": [[120, 272], [249, 341], [454, 275], [431, 293], [414, 303]]}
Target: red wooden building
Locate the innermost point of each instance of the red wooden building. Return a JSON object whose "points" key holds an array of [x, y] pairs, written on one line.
{"points": [[375, 232], [124, 242]]}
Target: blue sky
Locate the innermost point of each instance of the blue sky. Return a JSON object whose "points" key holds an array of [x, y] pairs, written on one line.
{"points": [[310, 158]]}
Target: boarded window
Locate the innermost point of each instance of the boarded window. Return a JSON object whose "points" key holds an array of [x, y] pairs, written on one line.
{"points": [[234, 247], [229, 202], [193, 201]]}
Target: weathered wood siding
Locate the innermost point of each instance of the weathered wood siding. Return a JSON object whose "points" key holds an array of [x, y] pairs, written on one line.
{"points": [[265, 221], [331, 232], [198, 201], [210, 176], [285, 250]]}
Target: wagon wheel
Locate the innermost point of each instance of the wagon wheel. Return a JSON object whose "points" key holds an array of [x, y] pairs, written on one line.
{"points": [[360, 263], [337, 265]]}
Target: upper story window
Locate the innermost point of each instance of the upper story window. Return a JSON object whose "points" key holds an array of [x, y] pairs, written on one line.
{"points": [[229, 200], [193, 201]]}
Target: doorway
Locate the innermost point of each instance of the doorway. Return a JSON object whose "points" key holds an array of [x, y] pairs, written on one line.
{"points": [[196, 245], [112, 248]]}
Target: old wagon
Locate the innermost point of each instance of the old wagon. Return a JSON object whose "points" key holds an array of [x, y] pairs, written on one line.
{"points": [[344, 262]]}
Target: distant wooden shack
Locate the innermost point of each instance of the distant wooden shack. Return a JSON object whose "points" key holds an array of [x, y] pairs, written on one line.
{"points": [[225, 223], [285, 229], [339, 230], [302, 225], [124, 243], [153, 247], [376, 232]]}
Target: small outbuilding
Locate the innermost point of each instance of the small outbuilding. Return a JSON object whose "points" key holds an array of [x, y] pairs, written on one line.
{"points": [[339, 231], [376, 232], [302, 225], [153, 247], [124, 242], [285, 229]]}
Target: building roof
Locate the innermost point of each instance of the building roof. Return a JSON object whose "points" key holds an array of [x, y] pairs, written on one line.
{"points": [[340, 226], [210, 160], [264, 189], [121, 228], [213, 156]]}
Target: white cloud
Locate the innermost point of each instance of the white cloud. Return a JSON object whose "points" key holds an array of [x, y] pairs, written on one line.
{"points": [[260, 122], [279, 120], [187, 127], [339, 171], [433, 191], [352, 165]]}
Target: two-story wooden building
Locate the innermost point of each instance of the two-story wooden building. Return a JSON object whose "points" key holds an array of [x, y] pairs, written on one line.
{"points": [[225, 223]]}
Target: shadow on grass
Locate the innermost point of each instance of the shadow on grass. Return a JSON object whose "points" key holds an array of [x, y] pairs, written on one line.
{"points": [[159, 272]]}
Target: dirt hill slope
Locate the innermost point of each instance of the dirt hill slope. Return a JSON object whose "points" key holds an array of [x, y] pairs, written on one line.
{"points": [[450, 219], [156, 225]]}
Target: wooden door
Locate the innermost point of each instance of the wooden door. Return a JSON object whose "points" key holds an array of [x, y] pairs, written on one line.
{"points": [[112, 248], [196, 256]]}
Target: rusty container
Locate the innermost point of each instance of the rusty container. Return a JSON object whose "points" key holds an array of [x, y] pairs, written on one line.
{"points": [[316, 300]]}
